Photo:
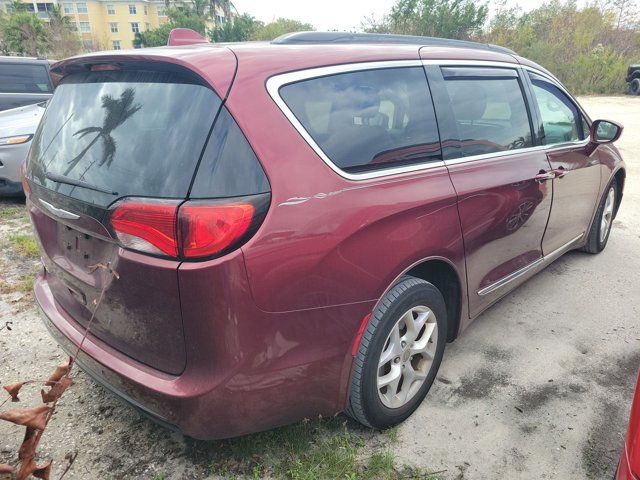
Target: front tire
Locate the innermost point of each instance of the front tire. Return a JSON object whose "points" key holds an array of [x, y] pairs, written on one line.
{"points": [[601, 228], [399, 354]]}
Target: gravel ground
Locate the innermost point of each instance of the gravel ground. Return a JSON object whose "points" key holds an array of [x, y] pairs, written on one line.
{"points": [[538, 387]]}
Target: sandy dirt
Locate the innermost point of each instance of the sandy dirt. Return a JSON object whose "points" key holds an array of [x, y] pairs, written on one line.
{"points": [[538, 387]]}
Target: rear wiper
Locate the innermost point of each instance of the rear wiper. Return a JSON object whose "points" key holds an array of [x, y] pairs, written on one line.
{"points": [[77, 183]]}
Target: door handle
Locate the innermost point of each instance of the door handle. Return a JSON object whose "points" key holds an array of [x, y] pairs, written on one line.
{"points": [[559, 172], [543, 176]]}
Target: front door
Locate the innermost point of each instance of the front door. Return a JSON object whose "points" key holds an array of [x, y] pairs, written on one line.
{"points": [[575, 163], [501, 180]]}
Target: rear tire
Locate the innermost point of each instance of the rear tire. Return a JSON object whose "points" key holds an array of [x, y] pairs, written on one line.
{"points": [[399, 354], [601, 227], [634, 86]]}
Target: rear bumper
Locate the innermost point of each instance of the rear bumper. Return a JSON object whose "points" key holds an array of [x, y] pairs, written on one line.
{"points": [[148, 390], [261, 374]]}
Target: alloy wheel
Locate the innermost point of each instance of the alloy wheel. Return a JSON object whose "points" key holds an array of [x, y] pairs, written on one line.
{"points": [[407, 356], [607, 214]]}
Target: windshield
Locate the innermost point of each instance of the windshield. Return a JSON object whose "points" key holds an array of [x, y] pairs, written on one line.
{"points": [[133, 132]]}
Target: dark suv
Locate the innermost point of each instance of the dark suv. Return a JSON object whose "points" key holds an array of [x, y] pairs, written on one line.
{"points": [[24, 81], [633, 79], [299, 227]]}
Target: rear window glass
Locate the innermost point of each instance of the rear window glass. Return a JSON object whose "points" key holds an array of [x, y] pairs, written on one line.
{"points": [[229, 168], [134, 133], [368, 120], [490, 114], [16, 78]]}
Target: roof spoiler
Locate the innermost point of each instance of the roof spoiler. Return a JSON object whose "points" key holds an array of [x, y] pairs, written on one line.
{"points": [[184, 36]]}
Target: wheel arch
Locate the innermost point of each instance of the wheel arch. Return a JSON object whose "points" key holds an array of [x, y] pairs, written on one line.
{"points": [[442, 273], [620, 177]]}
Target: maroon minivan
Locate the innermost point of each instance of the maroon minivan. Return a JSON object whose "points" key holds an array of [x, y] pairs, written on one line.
{"points": [[299, 227]]}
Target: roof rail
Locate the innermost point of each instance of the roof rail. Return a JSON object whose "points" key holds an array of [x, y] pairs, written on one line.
{"points": [[311, 38]]}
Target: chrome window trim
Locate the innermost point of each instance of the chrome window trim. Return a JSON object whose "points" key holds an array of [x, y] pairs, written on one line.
{"points": [[508, 153], [278, 81], [274, 83], [15, 94]]}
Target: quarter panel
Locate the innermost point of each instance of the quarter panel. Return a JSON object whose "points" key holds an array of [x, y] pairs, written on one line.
{"points": [[346, 245]]}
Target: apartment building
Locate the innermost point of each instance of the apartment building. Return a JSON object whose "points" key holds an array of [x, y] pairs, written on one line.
{"points": [[107, 24]]}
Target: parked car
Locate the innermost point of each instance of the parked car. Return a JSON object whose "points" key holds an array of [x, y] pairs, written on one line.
{"points": [[299, 227], [629, 466], [17, 127], [633, 79], [24, 81]]}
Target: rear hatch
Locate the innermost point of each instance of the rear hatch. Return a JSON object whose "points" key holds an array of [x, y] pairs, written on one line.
{"points": [[120, 140]]}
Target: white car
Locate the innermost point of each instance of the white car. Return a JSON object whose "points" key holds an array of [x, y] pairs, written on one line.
{"points": [[17, 127]]}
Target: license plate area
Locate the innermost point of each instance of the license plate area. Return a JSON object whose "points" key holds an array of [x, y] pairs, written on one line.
{"points": [[77, 247]]}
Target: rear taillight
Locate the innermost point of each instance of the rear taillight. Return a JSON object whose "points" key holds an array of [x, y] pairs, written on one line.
{"points": [[193, 230], [209, 229], [147, 226]]}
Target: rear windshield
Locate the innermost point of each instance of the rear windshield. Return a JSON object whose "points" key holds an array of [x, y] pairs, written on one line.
{"points": [[125, 132], [16, 78]]}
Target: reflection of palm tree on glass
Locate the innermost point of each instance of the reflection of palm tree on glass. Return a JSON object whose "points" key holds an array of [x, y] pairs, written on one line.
{"points": [[118, 111]]}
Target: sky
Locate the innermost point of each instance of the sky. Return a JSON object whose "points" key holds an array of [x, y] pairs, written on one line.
{"points": [[331, 14]]}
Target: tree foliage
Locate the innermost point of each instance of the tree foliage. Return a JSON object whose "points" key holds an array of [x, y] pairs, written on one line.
{"points": [[588, 48], [459, 19], [25, 33], [240, 29], [184, 16], [63, 41], [280, 27], [245, 27]]}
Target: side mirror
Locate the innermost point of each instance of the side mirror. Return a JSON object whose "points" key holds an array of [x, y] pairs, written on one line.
{"points": [[605, 131]]}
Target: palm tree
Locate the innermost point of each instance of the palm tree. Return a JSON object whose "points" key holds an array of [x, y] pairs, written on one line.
{"points": [[118, 111], [226, 6]]}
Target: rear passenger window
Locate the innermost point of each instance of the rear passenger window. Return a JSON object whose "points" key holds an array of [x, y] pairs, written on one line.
{"points": [[368, 120], [489, 110], [229, 168], [16, 78], [561, 120]]}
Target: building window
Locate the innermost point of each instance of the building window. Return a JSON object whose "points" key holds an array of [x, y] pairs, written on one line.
{"points": [[73, 26], [113, 27], [67, 8], [85, 27], [161, 11], [132, 10], [111, 9], [147, 27], [146, 10], [82, 8], [135, 27], [116, 45], [220, 19]]}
